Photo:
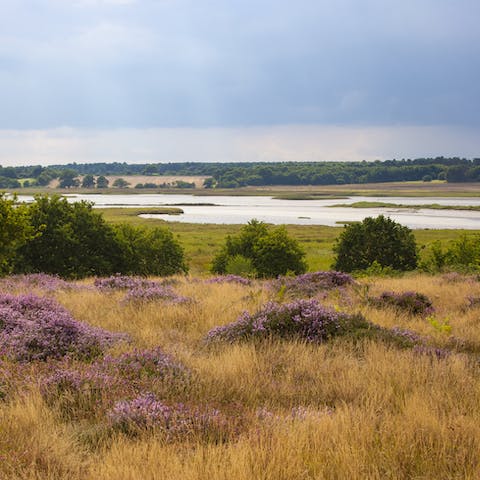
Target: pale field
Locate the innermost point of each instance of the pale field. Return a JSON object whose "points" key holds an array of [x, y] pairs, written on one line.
{"points": [[157, 179], [371, 410]]}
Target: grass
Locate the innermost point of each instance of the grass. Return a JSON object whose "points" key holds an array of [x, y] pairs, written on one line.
{"points": [[431, 206], [201, 241], [295, 192], [365, 409]]}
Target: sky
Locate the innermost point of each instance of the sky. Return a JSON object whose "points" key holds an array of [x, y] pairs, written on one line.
{"points": [[188, 80]]}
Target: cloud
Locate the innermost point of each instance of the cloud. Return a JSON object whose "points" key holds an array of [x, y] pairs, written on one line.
{"points": [[172, 63]]}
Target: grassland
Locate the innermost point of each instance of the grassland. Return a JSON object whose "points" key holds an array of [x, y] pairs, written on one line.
{"points": [[431, 206], [345, 409], [400, 189], [201, 241]]}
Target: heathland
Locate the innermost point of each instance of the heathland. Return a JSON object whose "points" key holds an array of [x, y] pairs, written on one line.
{"points": [[367, 385]]}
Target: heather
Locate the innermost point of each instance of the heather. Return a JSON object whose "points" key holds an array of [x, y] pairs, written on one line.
{"points": [[38, 328], [412, 303], [320, 386], [312, 283], [304, 319]]}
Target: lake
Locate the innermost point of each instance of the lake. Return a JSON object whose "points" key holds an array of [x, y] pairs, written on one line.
{"points": [[231, 209]]}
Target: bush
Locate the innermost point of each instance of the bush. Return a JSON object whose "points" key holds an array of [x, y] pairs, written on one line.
{"points": [[380, 240], [271, 251], [412, 303], [309, 284], [303, 319], [38, 328], [150, 251]]}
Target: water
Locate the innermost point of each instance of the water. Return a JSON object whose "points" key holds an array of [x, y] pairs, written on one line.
{"points": [[231, 209]]}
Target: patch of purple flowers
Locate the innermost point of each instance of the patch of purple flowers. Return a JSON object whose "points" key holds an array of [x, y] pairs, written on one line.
{"points": [[146, 364], [173, 421], [122, 282], [38, 328], [304, 319], [230, 278], [152, 293], [412, 303], [309, 284], [39, 281]]}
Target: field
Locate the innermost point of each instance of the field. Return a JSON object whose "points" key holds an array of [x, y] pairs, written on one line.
{"points": [[352, 406], [400, 189], [201, 241]]}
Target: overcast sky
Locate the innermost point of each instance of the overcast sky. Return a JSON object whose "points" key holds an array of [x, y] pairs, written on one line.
{"points": [[179, 80]]}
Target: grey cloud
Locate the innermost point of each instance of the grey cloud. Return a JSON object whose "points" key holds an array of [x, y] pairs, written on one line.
{"points": [[119, 63]]}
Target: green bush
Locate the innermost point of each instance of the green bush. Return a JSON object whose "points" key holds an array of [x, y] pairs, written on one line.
{"points": [[380, 240], [270, 250]]}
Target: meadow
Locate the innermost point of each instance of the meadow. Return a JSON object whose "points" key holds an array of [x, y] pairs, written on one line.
{"points": [[383, 386], [201, 241]]}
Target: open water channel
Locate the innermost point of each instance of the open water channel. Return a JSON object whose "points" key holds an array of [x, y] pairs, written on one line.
{"points": [[233, 209]]}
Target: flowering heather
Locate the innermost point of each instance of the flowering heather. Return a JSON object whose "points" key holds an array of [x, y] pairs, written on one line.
{"points": [[412, 303], [230, 279], [173, 421], [309, 284], [39, 281], [148, 365], [152, 293], [304, 319], [122, 282], [37, 328], [473, 301]]}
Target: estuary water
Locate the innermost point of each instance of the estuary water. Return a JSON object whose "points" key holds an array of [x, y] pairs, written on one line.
{"points": [[239, 210]]}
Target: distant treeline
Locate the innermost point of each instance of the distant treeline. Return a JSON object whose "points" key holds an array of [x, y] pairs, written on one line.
{"points": [[232, 175]]}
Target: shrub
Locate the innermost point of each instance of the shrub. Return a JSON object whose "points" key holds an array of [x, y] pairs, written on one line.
{"points": [[153, 293], [122, 282], [271, 251], [150, 251], [230, 279], [412, 303], [375, 239], [302, 319], [309, 284], [38, 328], [170, 421]]}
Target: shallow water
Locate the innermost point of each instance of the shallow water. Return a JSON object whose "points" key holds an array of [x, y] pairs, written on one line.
{"points": [[231, 209]]}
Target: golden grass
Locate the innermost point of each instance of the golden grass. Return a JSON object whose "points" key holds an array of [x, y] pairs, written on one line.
{"points": [[361, 410]]}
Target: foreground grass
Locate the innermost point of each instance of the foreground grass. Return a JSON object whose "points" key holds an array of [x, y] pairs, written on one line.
{"points": [[367, 409]]}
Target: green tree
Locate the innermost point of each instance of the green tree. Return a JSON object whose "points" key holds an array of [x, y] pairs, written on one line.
{"points": [[120, 183], [150, 251], [88, 181], [68, 179], [14, 231], [380, 240], [102, 182], [271, 251], [71, 240]]}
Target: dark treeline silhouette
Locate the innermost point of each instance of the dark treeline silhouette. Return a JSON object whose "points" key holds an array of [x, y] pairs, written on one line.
{"points": [[232, 175]]}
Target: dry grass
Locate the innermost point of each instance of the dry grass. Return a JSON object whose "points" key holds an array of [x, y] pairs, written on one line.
{"points": [[368, 409]]}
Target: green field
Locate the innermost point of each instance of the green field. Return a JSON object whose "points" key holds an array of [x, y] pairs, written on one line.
{"points": [[201, 241]]}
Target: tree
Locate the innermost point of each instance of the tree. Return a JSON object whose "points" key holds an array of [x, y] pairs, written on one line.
{"points": [[120, 183], [14, 232], [380, 240], [68, 179], [102, 182], [150, 251], [71, 240], [271, 251], [88, 181]]}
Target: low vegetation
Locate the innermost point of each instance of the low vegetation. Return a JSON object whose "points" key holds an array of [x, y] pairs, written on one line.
{"points": [[245, 380]]}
